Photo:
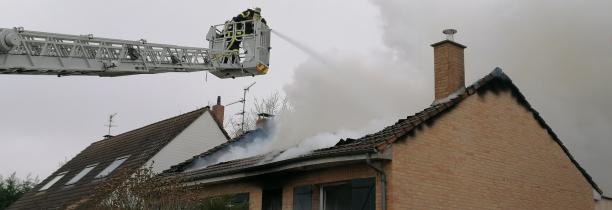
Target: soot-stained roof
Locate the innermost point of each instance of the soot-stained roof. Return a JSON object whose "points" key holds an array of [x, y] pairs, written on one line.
{"points": [[212, 154], [496, 81], [140, 145]]}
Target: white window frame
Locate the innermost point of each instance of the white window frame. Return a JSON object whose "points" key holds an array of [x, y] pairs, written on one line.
{"points": [[110, 171], [54, 180], [322, 191], [81, 174]]}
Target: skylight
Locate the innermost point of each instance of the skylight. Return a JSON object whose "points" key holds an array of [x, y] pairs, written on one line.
{"points": [[112, 167], [53, 181], [81, 174]]}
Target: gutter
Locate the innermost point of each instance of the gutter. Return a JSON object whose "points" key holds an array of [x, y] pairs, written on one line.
{"points": [[267, 168], [383, 182]]}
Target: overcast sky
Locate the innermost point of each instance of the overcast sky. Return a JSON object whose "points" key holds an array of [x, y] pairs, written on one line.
{"points": [[558, 54]]}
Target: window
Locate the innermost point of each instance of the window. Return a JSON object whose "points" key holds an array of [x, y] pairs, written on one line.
{"points": [[272, 199], [357, 194], [110, 168], [53, 181], [81, 174], [302, 198], [238, 201]]}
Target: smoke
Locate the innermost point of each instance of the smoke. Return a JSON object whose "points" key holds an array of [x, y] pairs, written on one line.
{"points": [[558, 53], [348, 98]]}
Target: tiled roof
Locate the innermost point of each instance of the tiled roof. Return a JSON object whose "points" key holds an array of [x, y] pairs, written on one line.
{"points": [[209, 155], [496, 81], [140, 144]]}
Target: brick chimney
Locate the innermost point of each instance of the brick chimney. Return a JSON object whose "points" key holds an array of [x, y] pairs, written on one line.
{"points": [[218, 111], [449, 69], [262, 120]]}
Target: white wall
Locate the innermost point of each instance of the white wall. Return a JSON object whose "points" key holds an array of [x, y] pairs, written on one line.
{"points": [[202, 135]]}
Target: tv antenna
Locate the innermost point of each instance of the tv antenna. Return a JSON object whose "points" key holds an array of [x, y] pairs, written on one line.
{"points": [[449, 33], [243, 101], [243, 113], [110, 124]]}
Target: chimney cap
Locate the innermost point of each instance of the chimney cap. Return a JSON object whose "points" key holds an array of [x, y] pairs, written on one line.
{"points": [[218, 100], [448, 41], [265, 115], [449, 33], [449, 38]]}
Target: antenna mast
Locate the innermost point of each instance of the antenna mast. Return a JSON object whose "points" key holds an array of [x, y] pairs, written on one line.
{"points": [[110, 124], [244, 104]]}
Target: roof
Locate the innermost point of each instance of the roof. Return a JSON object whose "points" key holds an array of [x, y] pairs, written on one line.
{"points": [[212, 154], [496, 81], [140, 144]]}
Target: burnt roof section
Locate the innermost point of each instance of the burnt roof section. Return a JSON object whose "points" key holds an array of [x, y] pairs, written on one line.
{"points": [[140, 144], [496, 81], [242, 139]]}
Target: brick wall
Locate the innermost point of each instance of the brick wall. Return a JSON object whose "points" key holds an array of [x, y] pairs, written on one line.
{"points": [[487, 153]]}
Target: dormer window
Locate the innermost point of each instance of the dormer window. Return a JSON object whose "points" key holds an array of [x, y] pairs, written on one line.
{"points": [[53, 181], [110, 168], [81, 174]]}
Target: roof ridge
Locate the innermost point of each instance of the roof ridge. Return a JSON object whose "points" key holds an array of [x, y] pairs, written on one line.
{"points": [[203, 110], [408, 125]]}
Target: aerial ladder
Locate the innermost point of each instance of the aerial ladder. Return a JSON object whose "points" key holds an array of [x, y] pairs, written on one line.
{"points": [[41, 53]]}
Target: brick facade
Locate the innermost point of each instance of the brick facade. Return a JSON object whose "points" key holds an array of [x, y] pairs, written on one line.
{"points": [[487, 153]]}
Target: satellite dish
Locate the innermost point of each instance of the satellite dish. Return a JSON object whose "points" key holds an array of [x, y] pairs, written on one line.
{"points": [[449, 33]]}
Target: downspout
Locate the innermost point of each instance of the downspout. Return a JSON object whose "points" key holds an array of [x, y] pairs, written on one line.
{"points": [[383, 182]]}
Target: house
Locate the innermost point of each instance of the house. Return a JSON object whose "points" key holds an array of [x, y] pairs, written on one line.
{"points": [[159, 146], [477, 147]]}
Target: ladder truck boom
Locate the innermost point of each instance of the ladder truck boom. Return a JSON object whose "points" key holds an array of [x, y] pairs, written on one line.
{"points": [[41, 53]]}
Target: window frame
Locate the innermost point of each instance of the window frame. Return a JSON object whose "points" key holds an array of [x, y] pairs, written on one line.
{"points": [[303, 190], [322, 191], [100, 176], [82, 174], [350, 182], [51, 182]]}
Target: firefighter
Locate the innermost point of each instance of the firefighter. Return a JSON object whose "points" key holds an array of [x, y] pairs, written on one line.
{"points": [[234, 38], [249, 14]]}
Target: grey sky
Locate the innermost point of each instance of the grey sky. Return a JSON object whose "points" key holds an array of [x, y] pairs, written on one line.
{"points": [[558, 55]]}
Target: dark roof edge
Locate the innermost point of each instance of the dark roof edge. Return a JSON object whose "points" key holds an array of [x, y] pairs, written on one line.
{"points": [[606, 197], [448, 41], [278, 166], [550, 131], [203, 109], [486, 84]]}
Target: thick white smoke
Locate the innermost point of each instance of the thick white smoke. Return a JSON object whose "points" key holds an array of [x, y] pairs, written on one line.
{"points": [[558, 53], [346, 97]]}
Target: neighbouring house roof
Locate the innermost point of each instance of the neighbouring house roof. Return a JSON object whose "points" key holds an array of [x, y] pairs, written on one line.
{"points": [[140, 145], [496, 81], [211, 154]]}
